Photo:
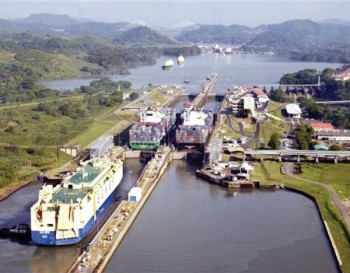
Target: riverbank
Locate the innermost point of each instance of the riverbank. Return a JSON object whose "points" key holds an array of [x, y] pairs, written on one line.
{"points": [[7, 191], [269, 172]]}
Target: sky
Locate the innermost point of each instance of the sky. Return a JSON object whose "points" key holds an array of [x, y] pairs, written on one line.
{"points": [[163, 13]]}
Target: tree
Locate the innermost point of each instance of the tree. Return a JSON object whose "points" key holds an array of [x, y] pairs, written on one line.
{"points": [[304, 136], [279, 95], [134, 96], [334, 147], [275, 141]]}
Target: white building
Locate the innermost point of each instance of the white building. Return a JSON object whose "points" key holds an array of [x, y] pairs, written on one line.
{"points": [[249, 104], [135, 194], [293, 110], [336, 135]]}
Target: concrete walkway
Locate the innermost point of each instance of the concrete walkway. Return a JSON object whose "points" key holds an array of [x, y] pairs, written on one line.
{"points": [[337, 202]]}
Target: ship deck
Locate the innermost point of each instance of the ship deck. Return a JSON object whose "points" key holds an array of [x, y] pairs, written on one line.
{"points": [[86, 175], [65, 195]]}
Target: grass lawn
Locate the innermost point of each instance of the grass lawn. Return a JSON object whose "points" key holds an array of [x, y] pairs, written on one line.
{"points": [[269, 172], [225, 130], [268, 127], [275, 107], [25, 163], [337, 175]]}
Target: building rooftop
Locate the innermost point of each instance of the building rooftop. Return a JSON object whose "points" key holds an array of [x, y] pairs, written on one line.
{"points": [[317, 126], [258, 92], [293, 109], [320, 147]]}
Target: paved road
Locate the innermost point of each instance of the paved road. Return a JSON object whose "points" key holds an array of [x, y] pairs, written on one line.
{"points": [[338, 203]]}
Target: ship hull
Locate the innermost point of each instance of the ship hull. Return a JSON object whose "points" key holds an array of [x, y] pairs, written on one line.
{"points": [[166, 67], [145, 146], [151, 131], [194, 136], [49, 237]]}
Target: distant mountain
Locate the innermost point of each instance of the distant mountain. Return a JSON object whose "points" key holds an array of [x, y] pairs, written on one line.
{"points": [[134, 24], [302, 39], [233, 34], [335, 22], [176, 30], [143, 36], [51, 20], [301, 34], [293, 34], [103, 30]]}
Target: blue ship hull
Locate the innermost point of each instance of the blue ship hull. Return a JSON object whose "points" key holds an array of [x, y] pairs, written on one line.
{"points": [[49, 237]]}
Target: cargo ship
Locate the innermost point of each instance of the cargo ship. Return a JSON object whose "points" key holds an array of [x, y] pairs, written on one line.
{"points": [[195, 128], [180, 61], [153, 127], [68, 212], [168, 64]]}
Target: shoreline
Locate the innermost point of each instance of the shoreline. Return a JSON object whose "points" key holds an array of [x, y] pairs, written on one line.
{"points": [[7, 191]]}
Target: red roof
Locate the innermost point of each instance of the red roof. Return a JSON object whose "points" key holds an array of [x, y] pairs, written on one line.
{"points": [[258, 91], [321, 126], [187, 104]]}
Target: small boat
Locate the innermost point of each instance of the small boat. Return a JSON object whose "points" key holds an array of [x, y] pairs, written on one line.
{"points": [[21, 231], [186, 81]]}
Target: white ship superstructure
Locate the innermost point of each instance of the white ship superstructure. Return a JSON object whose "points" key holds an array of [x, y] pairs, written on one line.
{"points": [[168, 63], [68, 212], [151, 116], [180, 60]]}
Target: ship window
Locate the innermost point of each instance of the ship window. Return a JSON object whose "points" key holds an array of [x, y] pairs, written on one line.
{"points": [[50, 225]]}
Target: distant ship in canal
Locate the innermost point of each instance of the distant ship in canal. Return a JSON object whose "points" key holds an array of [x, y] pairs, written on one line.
{"points": [[168, 64], [180, 61]]}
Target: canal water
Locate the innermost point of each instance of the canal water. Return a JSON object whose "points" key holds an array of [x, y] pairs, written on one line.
{"points": [[235, 69], [189, 225]]}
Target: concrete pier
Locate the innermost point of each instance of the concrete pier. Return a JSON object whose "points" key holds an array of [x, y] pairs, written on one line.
{"points": [[95, 257], [200, 98]]}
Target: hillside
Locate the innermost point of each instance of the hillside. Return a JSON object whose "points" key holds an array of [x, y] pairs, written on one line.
{"points": [[301, 39], [233, 34], [142, 36], [302, 34]]}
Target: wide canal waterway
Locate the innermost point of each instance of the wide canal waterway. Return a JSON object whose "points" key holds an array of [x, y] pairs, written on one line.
{"points": [[237, 69], [189, 225]]}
